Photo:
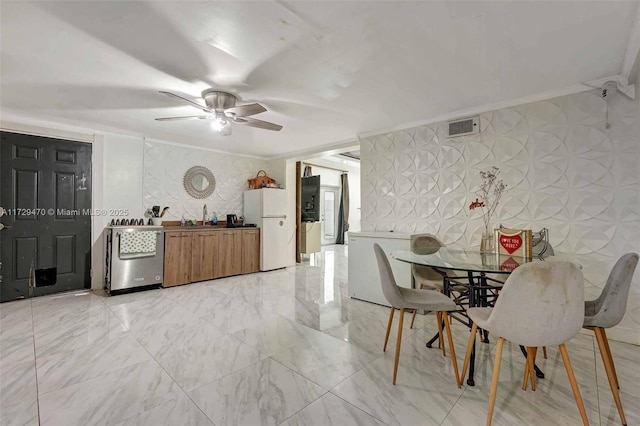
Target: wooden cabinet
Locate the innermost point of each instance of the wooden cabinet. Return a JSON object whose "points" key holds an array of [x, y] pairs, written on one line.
{"points": [[310, 237], [204, 254], [201, 255], [250, 251], [177, 258], [229, 260]]}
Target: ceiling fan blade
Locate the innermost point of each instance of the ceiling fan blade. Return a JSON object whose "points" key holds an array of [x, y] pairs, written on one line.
{"points": [[244, 110], [252, 122], [189, 117], [189, 101]]}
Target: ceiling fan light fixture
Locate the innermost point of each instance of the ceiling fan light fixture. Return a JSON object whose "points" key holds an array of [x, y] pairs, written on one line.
{"points": [[217, 124], [226, 130]]}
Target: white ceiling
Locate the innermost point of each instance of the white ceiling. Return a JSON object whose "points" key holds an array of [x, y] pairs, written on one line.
{"points": [[326, 71]]}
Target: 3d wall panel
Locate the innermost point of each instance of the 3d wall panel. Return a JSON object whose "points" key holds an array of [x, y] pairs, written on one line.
{"points": [[164, 168], [564, 170]]}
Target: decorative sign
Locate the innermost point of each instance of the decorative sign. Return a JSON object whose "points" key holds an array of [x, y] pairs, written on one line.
{"points": [[513, 242], [509, 265]]}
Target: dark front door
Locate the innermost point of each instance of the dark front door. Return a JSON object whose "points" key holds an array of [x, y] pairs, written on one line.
{"points": [[45, 190]]}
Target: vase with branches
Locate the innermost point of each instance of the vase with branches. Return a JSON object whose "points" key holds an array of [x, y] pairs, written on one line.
{"points": [[487, 198]]}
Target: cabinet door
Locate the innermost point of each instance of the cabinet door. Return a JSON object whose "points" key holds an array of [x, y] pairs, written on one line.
{"points": [[250, 251], [177, 258], [230, 253], [204, 254]]}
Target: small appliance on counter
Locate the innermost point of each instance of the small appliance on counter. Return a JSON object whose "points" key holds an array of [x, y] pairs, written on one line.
{"points": [[134, 257], [232, 222]]}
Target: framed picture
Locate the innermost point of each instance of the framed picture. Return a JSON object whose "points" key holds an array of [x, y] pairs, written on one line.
{"points": [[513, 242]]}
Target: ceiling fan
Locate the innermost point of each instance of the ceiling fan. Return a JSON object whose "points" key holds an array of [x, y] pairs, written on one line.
{"points": [[222, 109]]}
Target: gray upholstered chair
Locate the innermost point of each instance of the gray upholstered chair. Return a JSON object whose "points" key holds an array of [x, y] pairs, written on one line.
{"points": [[407, 299], [425, 276], [607, 311], [541, 304]]}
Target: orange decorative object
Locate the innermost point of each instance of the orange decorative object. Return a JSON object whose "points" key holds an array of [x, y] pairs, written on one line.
{"points": [[475, 204], [261, 181]]}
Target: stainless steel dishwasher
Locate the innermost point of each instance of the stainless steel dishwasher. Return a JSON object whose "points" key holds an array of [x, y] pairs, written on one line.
{"points": [[134, 257]]}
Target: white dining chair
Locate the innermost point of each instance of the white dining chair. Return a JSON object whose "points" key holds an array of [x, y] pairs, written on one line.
{"points": [[541, 304]]}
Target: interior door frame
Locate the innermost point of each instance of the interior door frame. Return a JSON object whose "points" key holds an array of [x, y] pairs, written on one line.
{"points": [[323, 189], [97, 180]]}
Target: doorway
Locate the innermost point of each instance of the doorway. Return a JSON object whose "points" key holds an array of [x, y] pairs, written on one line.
{"points": [[45, 190], [329, 202]]}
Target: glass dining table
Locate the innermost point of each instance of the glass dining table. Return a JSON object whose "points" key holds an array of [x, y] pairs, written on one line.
{"points": [[484, 273]]}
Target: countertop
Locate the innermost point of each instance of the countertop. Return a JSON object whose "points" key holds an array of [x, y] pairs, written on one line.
{"points": [[203, 228]]}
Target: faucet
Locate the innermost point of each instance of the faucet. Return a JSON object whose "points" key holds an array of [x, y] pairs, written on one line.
{"points": [[204, 215]]}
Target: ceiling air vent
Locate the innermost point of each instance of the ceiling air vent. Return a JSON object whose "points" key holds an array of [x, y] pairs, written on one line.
{"points": [[465, 126]]}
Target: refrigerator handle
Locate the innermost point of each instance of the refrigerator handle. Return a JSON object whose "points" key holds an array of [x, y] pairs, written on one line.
{"points": [[275, 217]]}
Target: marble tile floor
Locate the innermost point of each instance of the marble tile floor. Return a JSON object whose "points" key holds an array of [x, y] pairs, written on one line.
{"points": [[286, 347]]}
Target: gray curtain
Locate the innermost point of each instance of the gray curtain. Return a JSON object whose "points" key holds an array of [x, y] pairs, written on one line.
{"points": [[343, 213], [307, 171]]}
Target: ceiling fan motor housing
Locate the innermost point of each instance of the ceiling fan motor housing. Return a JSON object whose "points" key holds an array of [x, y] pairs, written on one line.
{"points": [[218, 100]]}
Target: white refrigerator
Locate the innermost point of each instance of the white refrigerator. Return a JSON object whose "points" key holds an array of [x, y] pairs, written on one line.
{"points": [[266, 207]]}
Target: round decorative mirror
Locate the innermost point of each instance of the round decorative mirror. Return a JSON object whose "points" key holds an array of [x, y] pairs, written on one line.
{"points": [[199, 182]]}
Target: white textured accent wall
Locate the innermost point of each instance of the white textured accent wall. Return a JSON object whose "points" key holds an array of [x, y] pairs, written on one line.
{"points": [[564, 171], [164, 168]]}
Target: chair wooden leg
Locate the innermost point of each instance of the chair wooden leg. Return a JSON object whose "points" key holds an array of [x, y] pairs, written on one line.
{"points": [[532, 371], [494, 380], [544, 352], [608, 366], [529, 371], [525, 379], [606, 341], [413, 318], [440, 335], [574, 384], [467, 356], [386, 337], [399, 341], [454, 360]]}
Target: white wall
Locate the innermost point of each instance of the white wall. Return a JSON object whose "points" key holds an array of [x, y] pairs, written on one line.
{"points": [[122, 165], [354, 202], [290, 172], [564, 170]]}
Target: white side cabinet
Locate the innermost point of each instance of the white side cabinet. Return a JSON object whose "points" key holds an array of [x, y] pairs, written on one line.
{"points": [[364, 278]]}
